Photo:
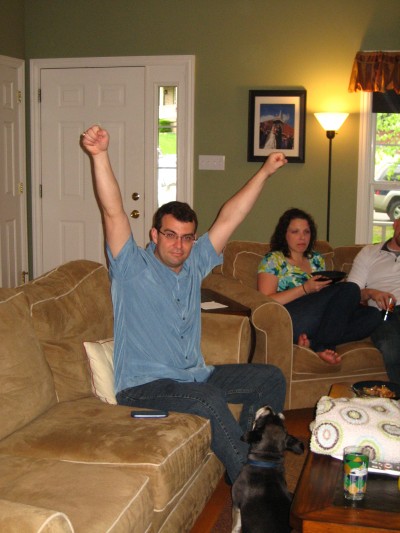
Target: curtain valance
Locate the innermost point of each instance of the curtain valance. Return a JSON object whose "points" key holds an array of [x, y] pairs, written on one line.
{"points": [[375, 72]]}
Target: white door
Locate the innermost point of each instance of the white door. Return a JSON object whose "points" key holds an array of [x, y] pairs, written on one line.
{"points": [[13, 242], [122, 94], [72, 100]]}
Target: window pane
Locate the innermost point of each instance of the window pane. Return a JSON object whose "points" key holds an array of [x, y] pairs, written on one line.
{"points": [[386, 182], [167, 144]]}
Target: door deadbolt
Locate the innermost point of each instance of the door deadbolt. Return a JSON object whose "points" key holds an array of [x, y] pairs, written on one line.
{"points": [[135, 214], [135, 196]]}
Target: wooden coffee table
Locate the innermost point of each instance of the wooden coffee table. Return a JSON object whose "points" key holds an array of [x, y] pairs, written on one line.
{"points": [[232, 307], [319, 504]]}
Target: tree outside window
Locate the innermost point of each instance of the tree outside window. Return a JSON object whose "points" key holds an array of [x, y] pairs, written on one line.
{"points": [[386, 187]]}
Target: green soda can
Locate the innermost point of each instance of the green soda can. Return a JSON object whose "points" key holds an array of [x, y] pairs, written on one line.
{"points": [[355, 466]]}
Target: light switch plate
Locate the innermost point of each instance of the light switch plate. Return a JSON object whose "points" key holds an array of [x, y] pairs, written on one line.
{"points": [[211, 162]]}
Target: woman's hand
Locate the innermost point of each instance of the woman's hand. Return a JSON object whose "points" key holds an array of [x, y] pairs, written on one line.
{"points": [[315, 284]]}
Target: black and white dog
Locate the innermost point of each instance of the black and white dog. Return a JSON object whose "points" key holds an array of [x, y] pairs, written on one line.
{"points": [[260, 497]]}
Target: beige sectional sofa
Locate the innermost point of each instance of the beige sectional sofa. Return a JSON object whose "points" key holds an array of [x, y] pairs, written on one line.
{"points": [[307, 377], [71, 462]]}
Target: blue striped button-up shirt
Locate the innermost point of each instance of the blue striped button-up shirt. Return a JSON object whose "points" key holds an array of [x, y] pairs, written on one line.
{"points": [[157, 320]]}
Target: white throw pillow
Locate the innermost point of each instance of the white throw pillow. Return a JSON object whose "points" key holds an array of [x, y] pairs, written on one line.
{"points": [[369, 422], [100, 355]]}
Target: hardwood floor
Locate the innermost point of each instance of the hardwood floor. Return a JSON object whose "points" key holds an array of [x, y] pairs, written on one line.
{"points": [[213, 509], [297, 423]]}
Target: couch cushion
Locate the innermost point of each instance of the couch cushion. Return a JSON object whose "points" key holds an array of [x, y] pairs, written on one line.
{"points": [[166, 450], [326, 250], [358, 358], [246, 268], [94, 497], [70, 305], [101, 363], [251, 249], [26, 383], [241, 259], [345, 255], [15, 516]]}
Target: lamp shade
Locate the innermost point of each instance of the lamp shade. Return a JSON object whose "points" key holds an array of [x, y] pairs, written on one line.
{"points": [[331, 121]]}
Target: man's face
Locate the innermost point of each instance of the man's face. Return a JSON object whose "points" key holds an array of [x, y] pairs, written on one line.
{"points": [[174, 251], [396, 235]]}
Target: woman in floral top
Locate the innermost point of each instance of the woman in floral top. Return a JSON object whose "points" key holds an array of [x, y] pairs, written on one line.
{"points": [[323, 314]]}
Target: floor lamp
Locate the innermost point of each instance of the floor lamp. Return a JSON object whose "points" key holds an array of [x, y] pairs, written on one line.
{"points": [[331, 123]]}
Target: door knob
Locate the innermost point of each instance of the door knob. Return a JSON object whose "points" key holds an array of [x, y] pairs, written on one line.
{"points": [[135, 196], [135, 214]]}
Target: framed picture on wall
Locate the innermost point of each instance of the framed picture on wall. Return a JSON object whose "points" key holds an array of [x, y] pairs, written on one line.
{"points": [[277, 122]]}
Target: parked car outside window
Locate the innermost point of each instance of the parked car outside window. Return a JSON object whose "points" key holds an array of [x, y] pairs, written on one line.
{"points": [[388, 200]]}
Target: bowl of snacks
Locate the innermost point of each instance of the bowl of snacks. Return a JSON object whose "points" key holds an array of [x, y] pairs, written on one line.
{"points": [[377, 389]]}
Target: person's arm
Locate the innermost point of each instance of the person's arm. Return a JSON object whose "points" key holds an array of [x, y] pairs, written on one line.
{"points": [[359, 275], [268, 285], [95, 142], [235, 210], [381, 298]]}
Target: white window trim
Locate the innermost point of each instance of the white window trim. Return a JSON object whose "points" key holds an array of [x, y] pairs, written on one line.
{"points": [[159, 71], [364, 216]]}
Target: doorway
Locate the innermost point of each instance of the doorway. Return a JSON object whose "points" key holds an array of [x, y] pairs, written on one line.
{"points": [[122, 95]]}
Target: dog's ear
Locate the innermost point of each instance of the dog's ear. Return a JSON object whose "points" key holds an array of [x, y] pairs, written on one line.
{"points": [[294, 445]]}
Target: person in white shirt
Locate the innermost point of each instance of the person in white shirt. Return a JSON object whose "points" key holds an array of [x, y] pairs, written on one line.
{"points": [[376, 270]]}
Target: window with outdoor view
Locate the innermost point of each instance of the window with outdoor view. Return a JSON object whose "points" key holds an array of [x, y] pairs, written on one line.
{"points": [[167, 144], [376, 75], [386, 181]]}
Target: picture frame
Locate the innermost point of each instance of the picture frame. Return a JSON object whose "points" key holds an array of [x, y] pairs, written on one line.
{"points": [[277, 123]]}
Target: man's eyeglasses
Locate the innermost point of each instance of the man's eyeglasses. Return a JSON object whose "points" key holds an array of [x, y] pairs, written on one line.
{"points": [[172, 236]]}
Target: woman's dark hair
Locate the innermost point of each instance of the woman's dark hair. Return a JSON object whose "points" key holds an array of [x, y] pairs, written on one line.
{"points": [[179, 210], [278, 239]]}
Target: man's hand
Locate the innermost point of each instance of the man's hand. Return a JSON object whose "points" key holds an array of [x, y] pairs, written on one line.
{"points": [[95, 140], [381, 298], [275, 160]]}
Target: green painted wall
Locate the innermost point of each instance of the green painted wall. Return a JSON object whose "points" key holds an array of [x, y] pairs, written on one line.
{"points": [[12, 28], [241, 45]]}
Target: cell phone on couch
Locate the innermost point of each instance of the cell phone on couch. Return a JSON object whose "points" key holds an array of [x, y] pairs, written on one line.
{"points": [[149, 413]]}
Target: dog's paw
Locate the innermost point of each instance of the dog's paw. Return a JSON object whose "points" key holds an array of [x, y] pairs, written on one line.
{"points": [[236, 520], [294, 444]]}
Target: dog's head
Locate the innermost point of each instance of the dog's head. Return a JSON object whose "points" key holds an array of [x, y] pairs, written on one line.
{"points": [[269, 434]]}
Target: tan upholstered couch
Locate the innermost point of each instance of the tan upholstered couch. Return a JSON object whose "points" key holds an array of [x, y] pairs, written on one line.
{"points": [[70, 462], [307, 377]]}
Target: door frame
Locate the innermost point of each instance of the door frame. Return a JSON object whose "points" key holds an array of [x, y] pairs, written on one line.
{"points": [[19, 66], [159, 70]]}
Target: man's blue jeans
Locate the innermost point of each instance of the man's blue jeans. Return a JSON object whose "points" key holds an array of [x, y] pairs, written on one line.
{"points": [[333, 316], [252, 385], [387, 339]]}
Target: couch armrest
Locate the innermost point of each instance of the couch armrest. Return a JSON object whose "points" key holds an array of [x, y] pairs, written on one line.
{"points": [[272, 323], [225, 338], [16, 516]]}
